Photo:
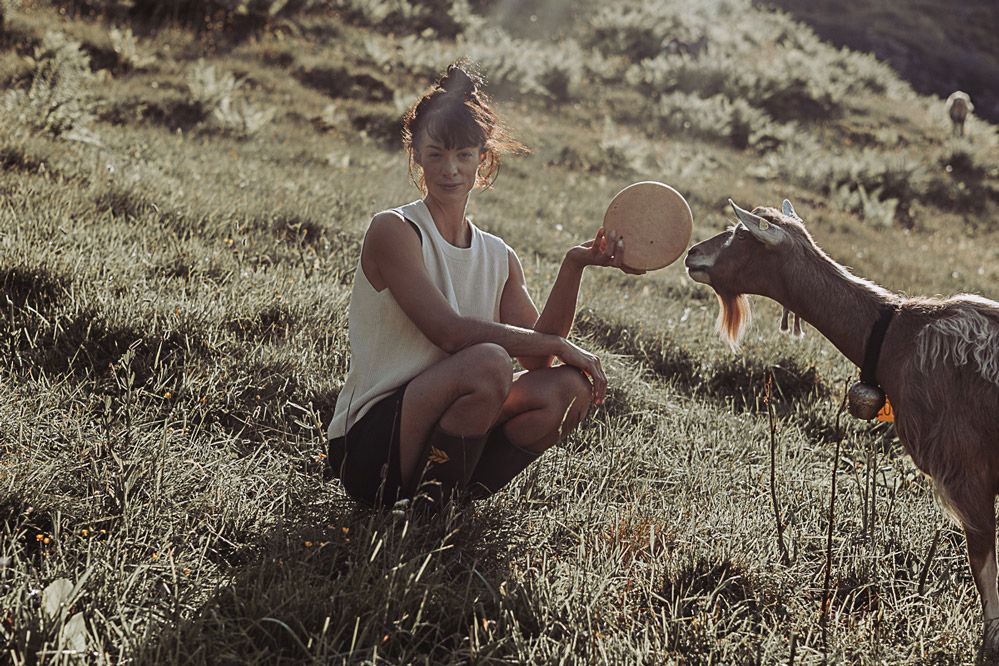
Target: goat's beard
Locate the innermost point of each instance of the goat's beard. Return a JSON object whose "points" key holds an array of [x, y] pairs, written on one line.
{"points": [[733, 317]]}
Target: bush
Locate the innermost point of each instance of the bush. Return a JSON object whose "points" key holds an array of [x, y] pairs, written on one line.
{"points": [[877, 185], [774, 65], [127, 49], [963, 183], [59, 97], [434, 18], [718, 118], [621, 152], [647, 30], [553, 71], [214, 95]]}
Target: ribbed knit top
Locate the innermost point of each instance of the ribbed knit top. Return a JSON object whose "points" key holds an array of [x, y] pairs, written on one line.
{"points": [[386, 348]]}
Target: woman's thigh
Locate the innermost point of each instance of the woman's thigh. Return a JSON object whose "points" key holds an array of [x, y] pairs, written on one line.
{"points": [[483, 367]]}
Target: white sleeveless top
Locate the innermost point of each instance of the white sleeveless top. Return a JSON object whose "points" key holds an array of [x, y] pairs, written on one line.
{"points": [[386, 348]]}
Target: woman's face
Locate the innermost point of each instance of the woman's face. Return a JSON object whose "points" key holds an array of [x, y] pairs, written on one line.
{"points": [[448, 173]]}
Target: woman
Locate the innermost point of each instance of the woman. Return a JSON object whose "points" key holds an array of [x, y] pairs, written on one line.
{"points": [[431, 405]]}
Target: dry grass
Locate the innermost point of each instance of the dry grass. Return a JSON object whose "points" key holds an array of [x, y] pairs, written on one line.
{"points": [[173, 341]]}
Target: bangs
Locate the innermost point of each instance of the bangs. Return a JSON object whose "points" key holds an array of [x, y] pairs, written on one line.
{"points": [[455, 126]]}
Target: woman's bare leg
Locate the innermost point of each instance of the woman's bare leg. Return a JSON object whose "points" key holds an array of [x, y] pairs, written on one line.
{"points": [[464, 394], [544, 406]]}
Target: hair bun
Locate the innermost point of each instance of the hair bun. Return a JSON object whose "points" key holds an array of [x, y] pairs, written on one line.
{"points": [[458, 81]]}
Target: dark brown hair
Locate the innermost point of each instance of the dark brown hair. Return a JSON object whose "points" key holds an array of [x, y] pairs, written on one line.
{"points": [[456, 112]]}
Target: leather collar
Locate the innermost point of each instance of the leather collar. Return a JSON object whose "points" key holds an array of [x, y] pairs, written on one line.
{"points": [[872, 350]]}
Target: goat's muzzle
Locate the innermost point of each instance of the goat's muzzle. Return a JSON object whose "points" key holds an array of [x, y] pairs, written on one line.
{"points": [[697, 267]]}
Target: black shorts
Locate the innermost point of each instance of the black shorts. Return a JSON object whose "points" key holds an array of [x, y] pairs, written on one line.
{"points": [[366, 459]]}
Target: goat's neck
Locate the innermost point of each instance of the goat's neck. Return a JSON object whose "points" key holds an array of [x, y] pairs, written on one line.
{"points": [[842, 307]]}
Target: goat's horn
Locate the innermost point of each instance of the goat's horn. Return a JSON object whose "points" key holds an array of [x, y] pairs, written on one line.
{"points": [[748, 218], [789, 210], [783, 320], [797, 325], [765, 232]]}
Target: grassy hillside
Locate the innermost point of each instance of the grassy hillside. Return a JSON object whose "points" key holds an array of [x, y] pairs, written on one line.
{"points": [[184, 191], [939, 48]]}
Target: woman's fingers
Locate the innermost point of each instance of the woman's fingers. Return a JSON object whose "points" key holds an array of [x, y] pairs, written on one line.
{"points": [[599, 382], [618, 257], [590, 365], [600, 240], [609, 249]]}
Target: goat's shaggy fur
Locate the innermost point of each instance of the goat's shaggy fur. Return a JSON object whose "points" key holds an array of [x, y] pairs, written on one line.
{"points": [[939, 363], [962, 338]]}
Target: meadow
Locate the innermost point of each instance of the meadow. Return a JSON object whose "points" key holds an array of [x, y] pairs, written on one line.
{"points": [[183, 195]]}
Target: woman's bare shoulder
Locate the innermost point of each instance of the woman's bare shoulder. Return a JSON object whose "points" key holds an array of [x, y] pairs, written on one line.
{"points": [[389, 228]]}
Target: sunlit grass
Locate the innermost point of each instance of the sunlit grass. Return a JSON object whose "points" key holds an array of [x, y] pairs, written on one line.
{"points": [[173, 342]]}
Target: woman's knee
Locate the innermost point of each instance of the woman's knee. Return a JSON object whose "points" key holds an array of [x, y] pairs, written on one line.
{"points": [[489, 370]]}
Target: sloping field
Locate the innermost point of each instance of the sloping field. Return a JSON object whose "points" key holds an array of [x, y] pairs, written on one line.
{"points": [[183, 197]]}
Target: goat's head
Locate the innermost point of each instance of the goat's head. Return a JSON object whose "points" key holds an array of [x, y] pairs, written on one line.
{"points": [[746, 259]]}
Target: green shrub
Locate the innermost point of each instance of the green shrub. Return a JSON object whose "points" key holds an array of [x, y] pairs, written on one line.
{"points": [[59, 97], [214, 95], [766, 60], [668, 73], [647, 30], [550, 70], [790, 86], [719, 118], [872, 183], [433, 18], [126, 47], [962, 181]]}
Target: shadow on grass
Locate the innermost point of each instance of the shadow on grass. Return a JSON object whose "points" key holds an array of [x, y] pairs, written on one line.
{"points": [[172, 112], [37, 288], [338, 82], [268, 402], [25, 524], [743, 382], [13, 158], [84, 345], [659, 354], [124, 203], [344, 584], [737, 381], [268, 324], [715, 588]]}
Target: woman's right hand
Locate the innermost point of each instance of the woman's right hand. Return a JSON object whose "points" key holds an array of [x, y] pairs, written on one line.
{"points": [[583, 360]]}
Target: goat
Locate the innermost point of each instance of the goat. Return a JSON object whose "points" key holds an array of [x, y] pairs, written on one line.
{"points": [[938, 364], [959, 107]]}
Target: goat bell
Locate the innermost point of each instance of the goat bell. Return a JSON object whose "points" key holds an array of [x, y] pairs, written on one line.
{"points": [[865, 401]]}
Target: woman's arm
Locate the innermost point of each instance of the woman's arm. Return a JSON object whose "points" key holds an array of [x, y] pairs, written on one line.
{"points": [[392, 258], [560, 308]]}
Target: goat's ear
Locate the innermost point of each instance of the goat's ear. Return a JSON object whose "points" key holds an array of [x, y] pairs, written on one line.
{"points": [[788, 210], [765, 232]]}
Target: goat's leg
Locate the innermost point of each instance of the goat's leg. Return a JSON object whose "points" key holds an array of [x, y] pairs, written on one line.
{"points": [[982, 558]]}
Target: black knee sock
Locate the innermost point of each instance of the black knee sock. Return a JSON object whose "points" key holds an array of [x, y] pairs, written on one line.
{"points": [[499, 464], [449, 461]]}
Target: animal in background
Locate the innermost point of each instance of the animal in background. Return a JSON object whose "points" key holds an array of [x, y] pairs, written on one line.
{"points": [[938, 362], [959, 107]]}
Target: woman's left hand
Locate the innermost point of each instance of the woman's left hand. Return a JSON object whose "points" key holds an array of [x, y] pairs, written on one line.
{"points": [[603, 250]]}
